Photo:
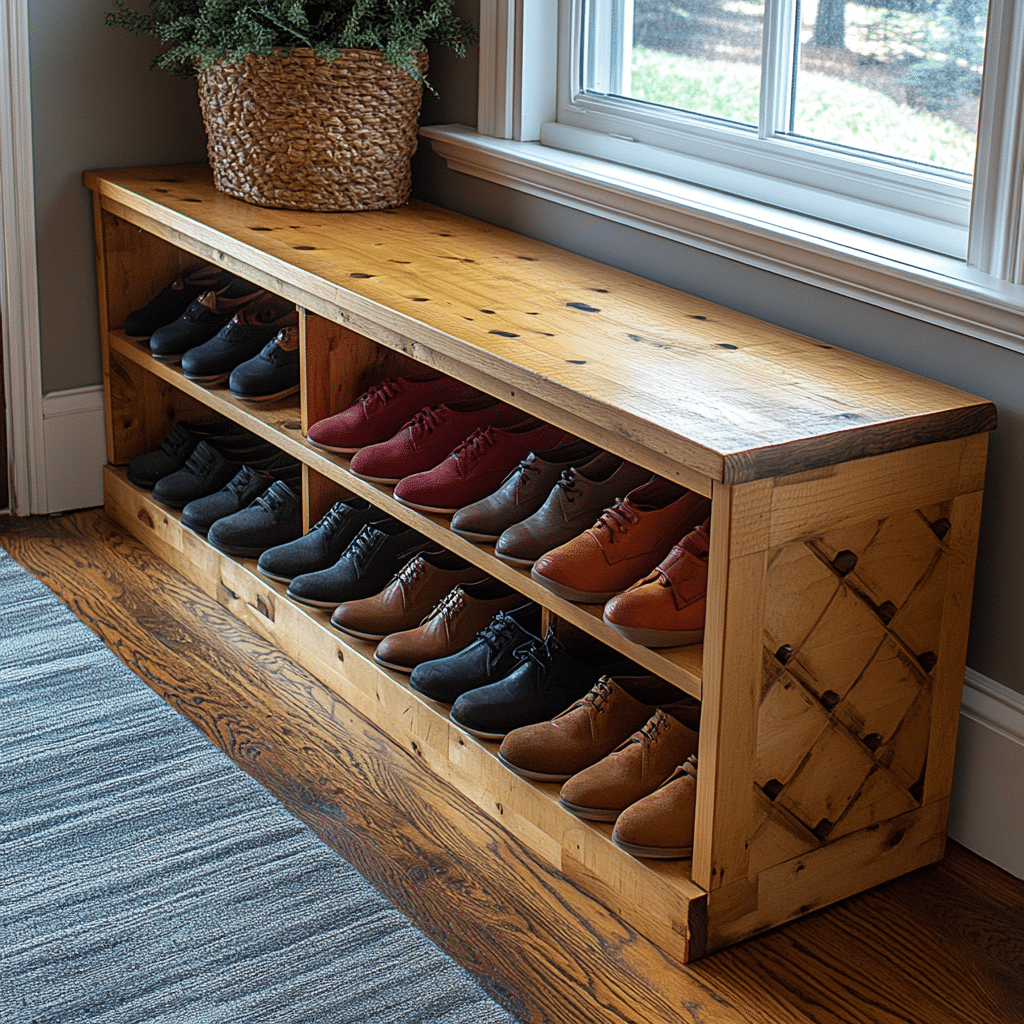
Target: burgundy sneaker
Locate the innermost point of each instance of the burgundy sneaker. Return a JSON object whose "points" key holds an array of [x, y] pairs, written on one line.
{"points": [[477, 466], [429, 437], [381, 410]]}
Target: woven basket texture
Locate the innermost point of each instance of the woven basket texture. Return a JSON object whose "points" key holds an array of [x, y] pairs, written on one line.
{"points": [[299, 132]]}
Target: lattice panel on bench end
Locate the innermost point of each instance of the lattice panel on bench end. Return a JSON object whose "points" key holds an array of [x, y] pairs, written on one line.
{"points": [[852, 622]]}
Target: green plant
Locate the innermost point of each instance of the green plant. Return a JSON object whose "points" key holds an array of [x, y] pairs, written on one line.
{"points": [[200, 33]]}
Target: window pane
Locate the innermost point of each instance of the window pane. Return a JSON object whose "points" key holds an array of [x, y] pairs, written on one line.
{"points": [[701, 56], [901, 80]]}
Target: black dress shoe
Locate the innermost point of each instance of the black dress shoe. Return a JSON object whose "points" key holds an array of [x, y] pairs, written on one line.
{"points": [[272, 374], [365, 567], [240, 492], [490, 657], [211, 465], [145, 470], [202, 320], [546, 681], [241, 338], [166, 307], [275, 517], [322, 546]]}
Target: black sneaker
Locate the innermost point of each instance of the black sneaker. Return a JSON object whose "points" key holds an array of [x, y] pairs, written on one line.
{"points": [[166, 307], [322, 546], [366, 566], [490, 657], [239, 492], [271, 374], [275, 517], [145, 470], [546, 681], [241, 338], [203, 319]]}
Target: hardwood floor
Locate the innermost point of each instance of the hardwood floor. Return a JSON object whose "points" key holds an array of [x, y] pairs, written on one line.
{"points": [[944, 944]]}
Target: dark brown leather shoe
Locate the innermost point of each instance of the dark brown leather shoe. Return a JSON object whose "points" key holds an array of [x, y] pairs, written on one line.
{"points": [[410, 596], [453, 625], [577, 499], [591, 729], [522, 493]]}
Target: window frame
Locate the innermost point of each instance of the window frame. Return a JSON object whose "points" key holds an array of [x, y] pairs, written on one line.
{"points": [[981, 296]]}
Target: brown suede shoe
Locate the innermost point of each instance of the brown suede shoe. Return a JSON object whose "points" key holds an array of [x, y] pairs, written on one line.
{"points": [[661, 825], [668, 606], [637, 767], [581, 735], [626, 543], [575, 501], [410, 596], [452, 625]]}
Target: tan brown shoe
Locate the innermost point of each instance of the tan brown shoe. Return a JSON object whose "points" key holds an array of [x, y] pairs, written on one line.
{"points": [[451, 626], [627, 542], [592, 728], [637, 767], [668, 606], [410, 596], [661, 825]]}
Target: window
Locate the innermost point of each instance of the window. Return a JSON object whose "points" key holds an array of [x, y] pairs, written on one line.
{"points": [[570, 111]]}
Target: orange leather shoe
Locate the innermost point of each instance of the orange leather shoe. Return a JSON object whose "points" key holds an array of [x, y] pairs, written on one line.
{"points": [[667, 607], [625, 544], [661, 825]]}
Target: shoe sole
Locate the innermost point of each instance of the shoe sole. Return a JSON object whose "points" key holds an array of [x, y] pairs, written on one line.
{"points": [[655, 638], [479, 733], [536, 776], [274, 576], [577, 596], [312, 602], [216, 378], [348, 631], [519, 563], [269, 398], [166, 359], [429, 509], [590, 813], [330, 448], [655, 852], [389, 480], [479, 537], [404, 669], [237, 552]]}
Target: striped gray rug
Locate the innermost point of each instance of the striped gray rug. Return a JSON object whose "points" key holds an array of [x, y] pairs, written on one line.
{"points": [[145, 879]]}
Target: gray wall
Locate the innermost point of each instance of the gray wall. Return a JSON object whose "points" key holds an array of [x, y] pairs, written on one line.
{"points": [[983, 369], [95, 104]]}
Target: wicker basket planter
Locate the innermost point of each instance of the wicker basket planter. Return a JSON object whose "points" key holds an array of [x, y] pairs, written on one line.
{"points": [[302, 133]]}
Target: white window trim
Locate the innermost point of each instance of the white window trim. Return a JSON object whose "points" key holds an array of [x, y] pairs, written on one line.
{"points": [[983, 298]]}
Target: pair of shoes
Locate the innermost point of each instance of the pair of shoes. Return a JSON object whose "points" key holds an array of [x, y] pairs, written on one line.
{"points": [[545, 680], [203, 318], [646, 783], [271, 374], [239, 492], [273, 518], [572, 505], [667, 607], [630, 538], [412, 596], [521, 493], [243, 337], [377, 551], [322, 546], [381, 411], [451, 625], [490, 656], [172, 454], [174, 299]]}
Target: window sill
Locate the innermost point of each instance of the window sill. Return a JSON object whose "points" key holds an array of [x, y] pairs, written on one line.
{"points": [[936, 289]]}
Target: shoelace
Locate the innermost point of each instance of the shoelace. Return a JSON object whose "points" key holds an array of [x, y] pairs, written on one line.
{"points": [[331, 519], [525, 469], [542, 652], [567, 482], [200, 461], [617, 519], [598, 695], [272, 500], [425, 420], [690, 766], [410, 571], [241, 480], [362, 545], [652, 728], [176, 439], [380, 394], [448, 605], [498, 631], [474, 446]]}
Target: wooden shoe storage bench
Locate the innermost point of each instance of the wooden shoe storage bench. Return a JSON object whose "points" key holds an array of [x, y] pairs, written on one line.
{"points": [[846, 499]]}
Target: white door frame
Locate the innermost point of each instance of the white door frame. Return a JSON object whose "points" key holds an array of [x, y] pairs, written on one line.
{"points": [[19, 296]]}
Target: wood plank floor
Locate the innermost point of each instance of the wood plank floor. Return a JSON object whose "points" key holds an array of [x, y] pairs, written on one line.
{"points": [[945, 944]]}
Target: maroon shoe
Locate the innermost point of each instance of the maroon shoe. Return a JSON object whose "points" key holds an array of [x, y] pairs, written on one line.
{"points": [[429, 437], [477, 466], [380, 411]]}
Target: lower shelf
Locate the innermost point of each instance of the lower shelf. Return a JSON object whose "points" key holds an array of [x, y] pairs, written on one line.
{"points": [[657, 899]]}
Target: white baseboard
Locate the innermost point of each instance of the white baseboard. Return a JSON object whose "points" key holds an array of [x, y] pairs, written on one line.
{"points": [[987, 811], [75, 448]]}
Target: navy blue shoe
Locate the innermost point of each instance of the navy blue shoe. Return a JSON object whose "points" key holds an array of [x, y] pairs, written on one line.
{"points": [[166, 307], [275, 517], [271, 374], [245, 335]]}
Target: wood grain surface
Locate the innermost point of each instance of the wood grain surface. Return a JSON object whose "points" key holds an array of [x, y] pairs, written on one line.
{"points": [[573, 341], [943, 944]]}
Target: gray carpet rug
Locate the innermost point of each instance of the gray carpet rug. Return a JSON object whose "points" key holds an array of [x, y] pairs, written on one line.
{"points": [[146, 879]]}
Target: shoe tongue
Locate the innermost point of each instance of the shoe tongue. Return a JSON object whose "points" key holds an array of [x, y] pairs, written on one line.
{"points": [[209, 300]]}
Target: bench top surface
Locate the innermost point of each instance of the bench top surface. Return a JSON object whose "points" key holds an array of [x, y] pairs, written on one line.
{"points": [[730, 396]]}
